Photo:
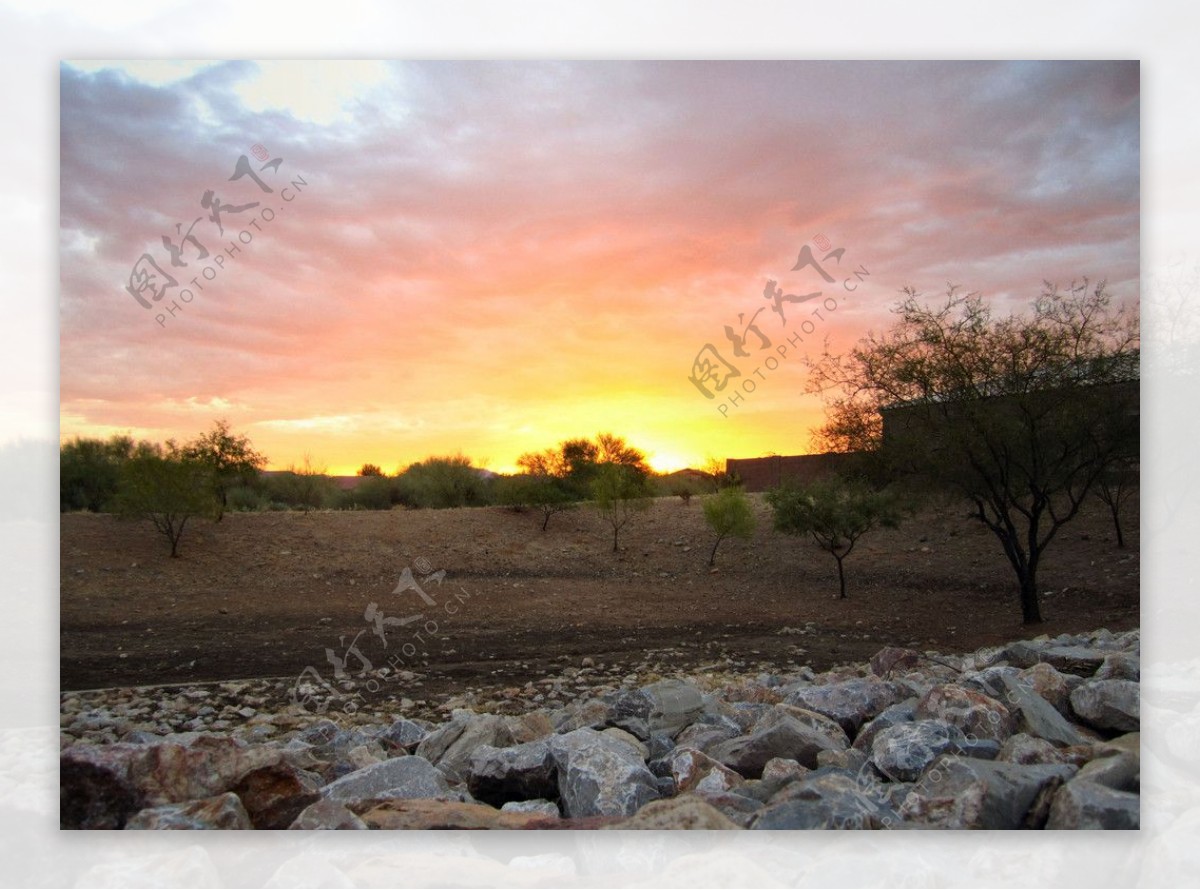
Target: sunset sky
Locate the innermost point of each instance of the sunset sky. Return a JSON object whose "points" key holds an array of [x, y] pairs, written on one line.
{"points": [[488, 258]]}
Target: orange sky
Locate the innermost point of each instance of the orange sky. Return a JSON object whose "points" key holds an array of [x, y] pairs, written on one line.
{"points": [[490, 258]]}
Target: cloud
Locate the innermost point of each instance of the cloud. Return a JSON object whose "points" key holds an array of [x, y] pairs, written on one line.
{"points": [[522, 249]]}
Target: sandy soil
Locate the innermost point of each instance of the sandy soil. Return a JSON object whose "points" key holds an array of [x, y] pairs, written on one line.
{"points": [[264, 595]]}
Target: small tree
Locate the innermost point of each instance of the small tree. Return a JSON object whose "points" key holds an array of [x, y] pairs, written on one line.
{"points": [[306, 486], [619, 492], [836, 512], [728, 512], [370, 470], [167, 488], [230, 459], [1113, 487]]}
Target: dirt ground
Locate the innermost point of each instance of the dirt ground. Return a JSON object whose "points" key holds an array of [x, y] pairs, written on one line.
{"points": [[265, 595]]}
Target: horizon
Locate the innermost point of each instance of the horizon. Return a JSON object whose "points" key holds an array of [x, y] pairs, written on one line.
{"points": [[490, 258]]}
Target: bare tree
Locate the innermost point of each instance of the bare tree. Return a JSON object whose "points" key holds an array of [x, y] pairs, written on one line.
{"points": [[1022, 414]]}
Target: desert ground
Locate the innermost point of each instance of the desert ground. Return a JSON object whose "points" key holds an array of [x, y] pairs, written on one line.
{"points": [[266, 594]]}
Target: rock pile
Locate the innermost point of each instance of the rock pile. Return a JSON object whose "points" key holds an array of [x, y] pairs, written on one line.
{"points": [[1035, 734]]}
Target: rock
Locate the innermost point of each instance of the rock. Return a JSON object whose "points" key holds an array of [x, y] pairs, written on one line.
{"points": [[666, 706], [962, 792], [902, 752], [167, 772], [1120, 772], [1082, 804], [828, 801], [777, 735], [590, 714], [407, 776], [1078, 660], [1024, 748], [94, 796], [530, 726], [629, 739], [660, 745], [403, 735], [848, 759], [599, 776], [901, 712], [450, 746], [1022, 654], [361, 756], [851, 703], [891, 658], [319, 734], [817, 722], [974, 713], [1108, 704], [444, 814], [990, 680], [692, 770], [685, 812], [703, 737], [224, 811], [274, 796], [780, 771], [521, 772], [633, 726], [1050, 684], [739, 808], [327, 815], [1037, 717], [1120, 666], [540, 807]]}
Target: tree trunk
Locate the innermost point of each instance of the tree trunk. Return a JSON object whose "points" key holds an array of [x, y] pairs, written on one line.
{"points": [[1116, 517], [546, 521], [1031, 611], [841, 577], [712, 557], [614, 550]]}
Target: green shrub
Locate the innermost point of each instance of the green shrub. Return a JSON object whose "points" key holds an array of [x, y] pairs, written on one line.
{"points": [[728, 513], [372, 493], [443, 482]]}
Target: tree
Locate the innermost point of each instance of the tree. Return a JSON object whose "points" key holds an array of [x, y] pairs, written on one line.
{"points": [[306, 485], [1113, 487], [168, 488], [231, 461], [370, 470], [441, 482], [89, 472], [715, 470], [547, 494], [836, 512], [619, 492], [1022, 414], [727, 513], [684, 487]]}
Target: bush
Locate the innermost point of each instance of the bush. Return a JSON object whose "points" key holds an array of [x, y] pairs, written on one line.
{"points": [[168, 490], [618, 493], [443, 482], [372, 493], [836, 512], [305, 487], [245, 499], [728, 513], [89, 472]]}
